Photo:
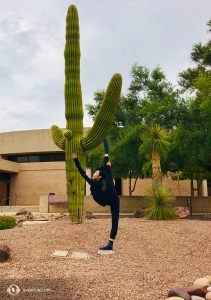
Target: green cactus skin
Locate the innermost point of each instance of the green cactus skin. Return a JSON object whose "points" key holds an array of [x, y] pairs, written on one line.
{"points": [[72, 139]]}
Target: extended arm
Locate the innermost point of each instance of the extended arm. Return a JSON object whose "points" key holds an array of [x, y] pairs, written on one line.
{"points": [[106, 162], [81, 171]]}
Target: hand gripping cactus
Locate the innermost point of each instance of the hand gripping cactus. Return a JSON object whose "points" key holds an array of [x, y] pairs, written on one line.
{"points": [[72, 139]]}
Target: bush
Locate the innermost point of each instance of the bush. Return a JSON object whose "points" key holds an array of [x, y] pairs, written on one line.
{"points": [[160, 200], [7, 222]]}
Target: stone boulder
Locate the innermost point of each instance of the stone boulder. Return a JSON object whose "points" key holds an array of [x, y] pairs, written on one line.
{"points": [[25, 216], [196, 290], [179, 292], [140, 213], [202, 281], [22, 211], [47, 216], [4, 252], [175, 298], [208, 296], [182, 212]]}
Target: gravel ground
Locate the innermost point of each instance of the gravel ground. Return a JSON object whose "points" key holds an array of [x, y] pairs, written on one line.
{"points": [[150, 258]]}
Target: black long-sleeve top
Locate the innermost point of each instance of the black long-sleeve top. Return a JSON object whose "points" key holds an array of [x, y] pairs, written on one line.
{"points": [[103, 198], [95, 186]]}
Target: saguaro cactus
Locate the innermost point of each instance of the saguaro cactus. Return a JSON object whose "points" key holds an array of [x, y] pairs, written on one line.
{"points": [[72, 139]]}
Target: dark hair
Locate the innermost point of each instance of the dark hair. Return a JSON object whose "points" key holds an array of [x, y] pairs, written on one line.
{"points": [[101, 172]]}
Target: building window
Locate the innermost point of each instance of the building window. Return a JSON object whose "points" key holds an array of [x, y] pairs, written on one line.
{"points": [[45, 157], [48, 157], [22, 159], [34, 158], [59, 157], [4, 177]]}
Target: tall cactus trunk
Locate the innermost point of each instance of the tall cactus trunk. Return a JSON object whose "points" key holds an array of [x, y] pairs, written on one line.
{"points": [[73, 114], [72, 140]]}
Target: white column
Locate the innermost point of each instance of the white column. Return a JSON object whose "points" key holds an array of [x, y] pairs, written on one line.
{"points": [[88, 173]]}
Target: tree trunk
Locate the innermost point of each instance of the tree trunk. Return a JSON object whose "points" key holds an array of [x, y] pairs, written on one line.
{"points": [[192, 188], [156, 168], [134, 186], [130, 192]]}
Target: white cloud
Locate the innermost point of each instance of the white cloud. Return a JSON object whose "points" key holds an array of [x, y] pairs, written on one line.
{"points": [[24, 25]]}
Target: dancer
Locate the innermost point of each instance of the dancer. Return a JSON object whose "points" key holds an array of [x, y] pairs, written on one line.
{"points": [[103, 197]]}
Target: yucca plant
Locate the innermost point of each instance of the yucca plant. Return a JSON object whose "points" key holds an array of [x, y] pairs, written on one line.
{"points": [[155, 145], [160, 202]]}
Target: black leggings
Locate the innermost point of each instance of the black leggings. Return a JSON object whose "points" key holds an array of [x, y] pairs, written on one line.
{"points": [[110, 197]]}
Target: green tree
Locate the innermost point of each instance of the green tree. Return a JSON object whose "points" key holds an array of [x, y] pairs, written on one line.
{"points": [[150, 98], [183, 160], [194, 131], [127, 163], [158, 100], [126, 113], [201, 57]]}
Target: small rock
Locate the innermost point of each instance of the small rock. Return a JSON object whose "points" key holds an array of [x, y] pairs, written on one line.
{"points": [[182, 212], [89, 216], [28, 216], [140, 213], [22, 211], [196, 290], [19, 220], [23, 216], [4, 252], [202, 281], [179, 292], [175, 298], [207, 217], [208, 296], [196, 298], [208, 277]]}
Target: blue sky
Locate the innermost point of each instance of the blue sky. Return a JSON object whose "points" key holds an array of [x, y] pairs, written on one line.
{"points": [[114, 35]]}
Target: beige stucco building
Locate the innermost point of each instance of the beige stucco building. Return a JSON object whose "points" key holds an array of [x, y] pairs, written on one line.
{"points": [[32, 165]]}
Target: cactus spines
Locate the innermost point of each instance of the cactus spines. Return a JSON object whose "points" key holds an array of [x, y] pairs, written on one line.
{"points": [[72, 139], [58, 137], [105, 116]]}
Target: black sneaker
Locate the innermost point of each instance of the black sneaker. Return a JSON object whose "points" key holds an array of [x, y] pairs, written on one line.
{"points": [[105, 250]]}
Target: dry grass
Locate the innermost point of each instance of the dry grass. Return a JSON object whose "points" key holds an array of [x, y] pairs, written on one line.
{"points": [[150, 257]]}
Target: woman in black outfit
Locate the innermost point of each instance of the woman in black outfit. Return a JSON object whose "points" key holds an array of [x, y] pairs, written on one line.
{"points": [[103, 197]]}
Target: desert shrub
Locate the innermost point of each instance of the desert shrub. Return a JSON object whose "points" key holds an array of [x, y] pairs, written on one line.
{"points": [[160, 202], [7, 222]]}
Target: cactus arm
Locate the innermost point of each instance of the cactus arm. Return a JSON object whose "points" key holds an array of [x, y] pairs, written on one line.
{"points": [[105, 116], [58, 137], [68, 134]]}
